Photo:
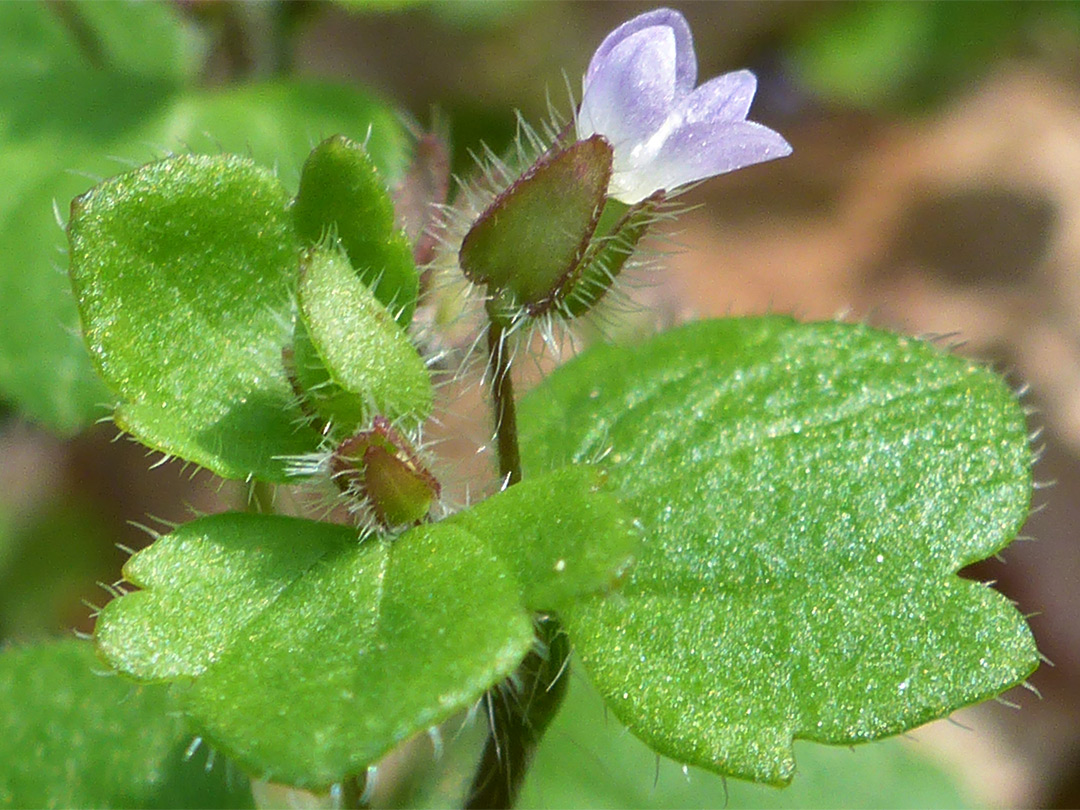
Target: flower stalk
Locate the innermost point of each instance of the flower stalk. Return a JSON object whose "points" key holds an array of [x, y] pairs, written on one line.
{"points": [[516, 720]]}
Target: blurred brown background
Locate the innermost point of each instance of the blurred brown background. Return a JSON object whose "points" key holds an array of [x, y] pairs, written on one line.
{"points": [[934, 189]]}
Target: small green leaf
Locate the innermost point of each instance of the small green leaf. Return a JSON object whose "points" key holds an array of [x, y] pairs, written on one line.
{"points": [[70, 736], [533, 236], [808, 492], [306, 655], [351, 357], [563, 533], [183, 273], [313, 654], [342, 194]]}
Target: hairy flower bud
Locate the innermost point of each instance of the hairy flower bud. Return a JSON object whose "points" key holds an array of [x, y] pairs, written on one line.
{"points": [[383, 468], [533, 236]]}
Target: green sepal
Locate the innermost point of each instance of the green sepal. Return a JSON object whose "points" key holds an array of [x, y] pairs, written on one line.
{"points": [[534, 234], [383, 468], [351, 359], [184, 272], [607, 254], [343, 196], [807, 493]]}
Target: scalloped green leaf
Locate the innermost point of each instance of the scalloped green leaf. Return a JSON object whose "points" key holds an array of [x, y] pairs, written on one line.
{"points": [[183, 273], [351, 357], [306, 654], [342, 194], [312, 654], [72, 737], [808, 492]]}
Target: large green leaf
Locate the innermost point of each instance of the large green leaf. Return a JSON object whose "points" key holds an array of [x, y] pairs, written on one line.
{"points": [[70, 736], [306, 655], [184, 272], [588, 760], [808, 492]]}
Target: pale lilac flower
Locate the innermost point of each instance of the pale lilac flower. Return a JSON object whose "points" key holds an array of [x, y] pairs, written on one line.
{"points": [[639, 94]]}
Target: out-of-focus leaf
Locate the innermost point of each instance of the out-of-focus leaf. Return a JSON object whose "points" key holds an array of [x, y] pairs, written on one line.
{"points": [[908, 55], [588, 760], [72, 736], [52, 562]]}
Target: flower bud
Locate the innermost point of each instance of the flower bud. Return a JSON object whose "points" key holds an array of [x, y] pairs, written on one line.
{"points": [[530, 241], [383, 468]]}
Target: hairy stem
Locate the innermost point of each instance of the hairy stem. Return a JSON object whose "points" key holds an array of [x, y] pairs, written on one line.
{"points": [[520, 709], [502, 396], [519, 715]]}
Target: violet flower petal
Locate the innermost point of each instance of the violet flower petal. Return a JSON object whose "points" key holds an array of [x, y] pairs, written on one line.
{"points": [[725, 98], [695, 151], [633, 91], [685, 60]]}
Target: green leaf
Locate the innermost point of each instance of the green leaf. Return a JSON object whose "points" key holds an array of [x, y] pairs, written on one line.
{"points": [[313, 654], [808, 492], [341, 193], [563, 534], [275, 124], [152, 39], [351, 357], [72, 737], [61, 121], [588, 760], [44, 366], [183, 271], [306, 655]]}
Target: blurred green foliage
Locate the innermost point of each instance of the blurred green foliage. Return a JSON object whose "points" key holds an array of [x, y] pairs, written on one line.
{"points": [[589, 760], [905, 56]]}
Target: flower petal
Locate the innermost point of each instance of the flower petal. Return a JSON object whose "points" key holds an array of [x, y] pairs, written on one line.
{"points": [[685, 60], [632, 91], [698, 150], [725, 98]]}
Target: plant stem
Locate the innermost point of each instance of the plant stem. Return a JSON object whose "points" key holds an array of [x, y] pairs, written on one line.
{"points": [[519, 715], [502, 394], [519, 710], [86, 38], [352, 793]]}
